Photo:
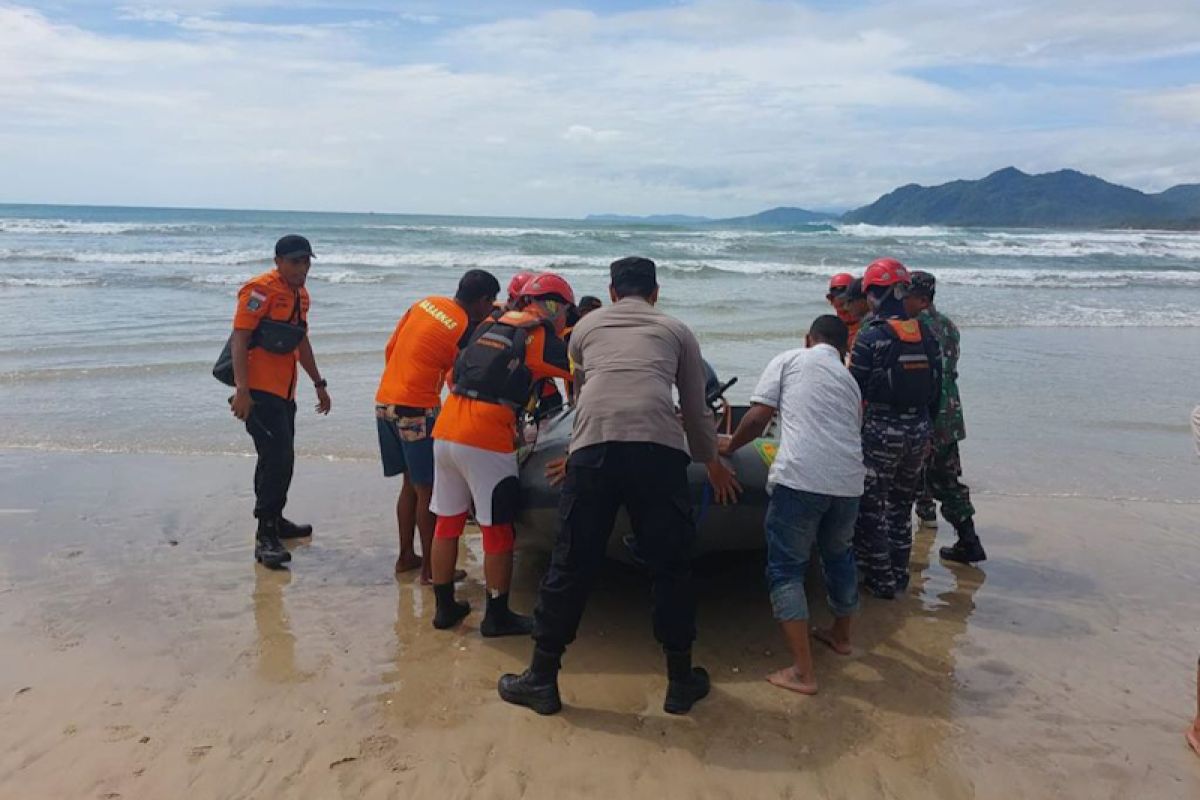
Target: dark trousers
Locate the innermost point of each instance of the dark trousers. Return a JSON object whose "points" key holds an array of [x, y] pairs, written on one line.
{"points": [[942, 482], [650, 480], [272, 425], [894, 450]]}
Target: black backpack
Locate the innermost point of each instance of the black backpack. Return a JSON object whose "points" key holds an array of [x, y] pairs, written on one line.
{"points": [[492, 367]]}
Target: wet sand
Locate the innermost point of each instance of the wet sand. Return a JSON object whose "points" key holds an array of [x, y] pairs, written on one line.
{"points": [[146, 656]]}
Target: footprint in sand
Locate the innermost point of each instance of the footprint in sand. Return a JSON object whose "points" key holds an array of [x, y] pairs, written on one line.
{"points": [[118, 733], [199, 752]]}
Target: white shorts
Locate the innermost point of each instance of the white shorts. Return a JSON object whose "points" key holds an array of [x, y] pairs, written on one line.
{"points": [[463, 475]]}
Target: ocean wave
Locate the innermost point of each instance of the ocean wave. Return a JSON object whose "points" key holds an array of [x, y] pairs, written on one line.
{"points": [[47, 283], [863, 230], [1184, 247], [35, 226]]}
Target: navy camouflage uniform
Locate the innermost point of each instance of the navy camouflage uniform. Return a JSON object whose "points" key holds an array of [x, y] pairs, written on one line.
{"points": [[895, 444], [943, 469]]}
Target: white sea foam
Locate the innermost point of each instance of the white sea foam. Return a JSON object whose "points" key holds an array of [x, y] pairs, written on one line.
{"points": [[66, 226], [864, 230], [47, 283]]}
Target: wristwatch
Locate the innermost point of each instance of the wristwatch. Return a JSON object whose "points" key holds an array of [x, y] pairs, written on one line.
{"points": [[321, 384]]}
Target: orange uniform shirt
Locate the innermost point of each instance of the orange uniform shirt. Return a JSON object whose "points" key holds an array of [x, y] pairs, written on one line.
{"points": [[491, 426], [421, 353], [269, 296]]}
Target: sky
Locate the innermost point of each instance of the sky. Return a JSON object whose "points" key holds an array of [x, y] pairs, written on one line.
{"points": [[529, 108]]}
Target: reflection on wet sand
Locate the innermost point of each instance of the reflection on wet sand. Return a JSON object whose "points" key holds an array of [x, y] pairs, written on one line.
{"points": [[276, 643], [140, 667]]}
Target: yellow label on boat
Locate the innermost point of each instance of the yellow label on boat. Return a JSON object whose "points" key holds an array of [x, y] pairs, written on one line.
{"points": [[767, 449]]}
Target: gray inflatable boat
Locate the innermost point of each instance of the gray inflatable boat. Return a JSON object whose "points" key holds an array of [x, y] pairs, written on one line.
{"points": [[720, 527]]}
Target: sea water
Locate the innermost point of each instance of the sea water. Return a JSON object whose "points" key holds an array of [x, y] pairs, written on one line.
{"points": [[1078, 373]]}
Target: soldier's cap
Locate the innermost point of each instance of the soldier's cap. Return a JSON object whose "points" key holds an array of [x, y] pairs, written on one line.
{"points": [[855, 291], [921, 284], [293, 246]]}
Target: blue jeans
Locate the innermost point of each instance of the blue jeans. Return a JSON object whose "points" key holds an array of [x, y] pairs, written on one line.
{"points": [[795, 521]]}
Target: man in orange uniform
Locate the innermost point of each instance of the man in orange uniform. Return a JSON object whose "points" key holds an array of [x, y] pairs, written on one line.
{"points": [[836, 295], [270, 335], [475, 443], [418, 358]]}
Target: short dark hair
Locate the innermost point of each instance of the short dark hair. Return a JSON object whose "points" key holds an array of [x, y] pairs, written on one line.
{"points": [[589, 303], [855, 291], [828, 329], [634, 276], [475, 285]]}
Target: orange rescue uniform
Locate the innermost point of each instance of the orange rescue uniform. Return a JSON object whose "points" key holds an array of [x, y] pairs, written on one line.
{"points": [[421, 353], [492, 426], [269, 296]]}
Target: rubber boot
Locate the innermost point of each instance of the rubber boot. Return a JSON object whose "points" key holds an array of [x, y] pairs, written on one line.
{"points": [[268, 550], [290, 530], [687, 685], [536, 687], [500, 620], [449, 612], [968, 549]]}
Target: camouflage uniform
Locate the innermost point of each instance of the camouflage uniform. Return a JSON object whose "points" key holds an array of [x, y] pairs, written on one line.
{"points": [[944, 468], [895, 445]]}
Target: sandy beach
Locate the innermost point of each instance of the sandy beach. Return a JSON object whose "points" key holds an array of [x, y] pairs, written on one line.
{"points": [[146, 656]]}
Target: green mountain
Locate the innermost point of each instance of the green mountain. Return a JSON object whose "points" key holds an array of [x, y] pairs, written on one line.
{"points": [[781, 217], [1011, 198]]}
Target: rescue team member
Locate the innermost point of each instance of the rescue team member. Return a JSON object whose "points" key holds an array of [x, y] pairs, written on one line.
{"points": [[475, 445], [629, 449], [513, 293], [269, 337], [855, 309], [941, 478], [836, 295], [815, 484], [418, 358], [898, 367], [588, 304]]}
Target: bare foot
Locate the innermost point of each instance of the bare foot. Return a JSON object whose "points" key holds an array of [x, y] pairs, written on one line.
{"points": [[842, 648], [789, 679], [1193, 737], [407, 563], [459, 575]]}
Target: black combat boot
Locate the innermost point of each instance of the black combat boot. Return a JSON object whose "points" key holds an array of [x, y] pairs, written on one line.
{"points": [[500, 620], [268, 550], [927, 517], [968, 549], [449, 612], [687, 685], [536, 687], [290, 530]]}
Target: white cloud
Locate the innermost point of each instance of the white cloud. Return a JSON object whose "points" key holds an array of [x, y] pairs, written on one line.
{"points": [[585, 134], [712, 107]]}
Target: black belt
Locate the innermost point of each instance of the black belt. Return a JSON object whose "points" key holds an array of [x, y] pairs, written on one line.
{"points": [[893, 409]]}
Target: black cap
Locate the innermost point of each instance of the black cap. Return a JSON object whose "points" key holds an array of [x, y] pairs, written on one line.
{"points": [[855, 291], [921, 283], [634, 275], [293, 246]]}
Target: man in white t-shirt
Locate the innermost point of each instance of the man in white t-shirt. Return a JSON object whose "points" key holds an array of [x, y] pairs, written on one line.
{"points": [[815, 483]]}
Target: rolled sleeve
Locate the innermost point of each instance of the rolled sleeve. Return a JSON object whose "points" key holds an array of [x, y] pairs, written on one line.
{"points": [[770, 385]]}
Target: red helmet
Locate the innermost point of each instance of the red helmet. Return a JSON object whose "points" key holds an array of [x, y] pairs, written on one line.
{"points": [[841, 281], [548, 283], [884, 272], [518, 283]]}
